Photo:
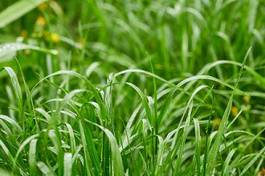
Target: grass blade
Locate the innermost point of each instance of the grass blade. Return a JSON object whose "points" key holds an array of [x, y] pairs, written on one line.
{"points": [[17, 10], [32, 156], [67, 164], [116, 158], [10, 49]]}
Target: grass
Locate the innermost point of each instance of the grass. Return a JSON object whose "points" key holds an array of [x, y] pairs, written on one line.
{"points": [[132, 87]]}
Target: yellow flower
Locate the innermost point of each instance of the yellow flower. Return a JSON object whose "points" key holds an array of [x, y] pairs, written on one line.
{"points": [[54, 37], [27, 52], [23, 34], [43, 6], [46, 35], [158, 66], [216, 122], [234, 111], [81, 42], [246, 99], [262, 172], [41, 21]]}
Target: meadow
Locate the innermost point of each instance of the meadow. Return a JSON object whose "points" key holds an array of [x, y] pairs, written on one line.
{"points": [[123, 87]]}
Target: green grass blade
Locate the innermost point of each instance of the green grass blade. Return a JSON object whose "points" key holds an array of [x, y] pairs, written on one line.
{"points": [[215, 147], [144, 102], [116, 158], [246, 168]]}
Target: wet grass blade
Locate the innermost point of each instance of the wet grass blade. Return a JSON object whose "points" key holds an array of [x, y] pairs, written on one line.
{"points": [[8, 50]]}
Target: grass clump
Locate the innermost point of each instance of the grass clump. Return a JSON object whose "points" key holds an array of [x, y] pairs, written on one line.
{"points": [[132, 88]]}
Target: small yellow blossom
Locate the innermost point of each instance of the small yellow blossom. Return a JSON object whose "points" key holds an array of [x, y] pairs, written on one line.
{"points": [[41, 21], [246, 99], [46, 34], [37, 34], [23, 34], [234, 111], [262, 172], [158, 66], [81, 42], [27, 52], [216, 122], [43, 6], [54, 37]]}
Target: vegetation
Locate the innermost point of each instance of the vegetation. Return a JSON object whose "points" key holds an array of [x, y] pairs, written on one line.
{"points": [[163, 87]]}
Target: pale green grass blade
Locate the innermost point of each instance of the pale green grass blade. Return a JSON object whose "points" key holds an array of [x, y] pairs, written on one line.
{"points": [[68, 164], [226, 163], [15, 83], [18, 92], [10, 121], [198, 145], [32, 156], [92, 68], [43, 113], [4, 172], [45, 169], [24, 143], [17, 10], [72, 137], [7, 152]]}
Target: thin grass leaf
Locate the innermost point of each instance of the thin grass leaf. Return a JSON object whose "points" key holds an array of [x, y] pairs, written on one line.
{"points": [[144, 102], [58, 73], [251, 162], [250, 70], [116, 158], [86, 140]]}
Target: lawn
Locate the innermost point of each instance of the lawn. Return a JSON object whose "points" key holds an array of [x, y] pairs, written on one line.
{"points": [[123, 87]]}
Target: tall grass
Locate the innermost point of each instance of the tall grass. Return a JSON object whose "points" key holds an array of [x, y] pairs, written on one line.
{"points": [[132, 87]]}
